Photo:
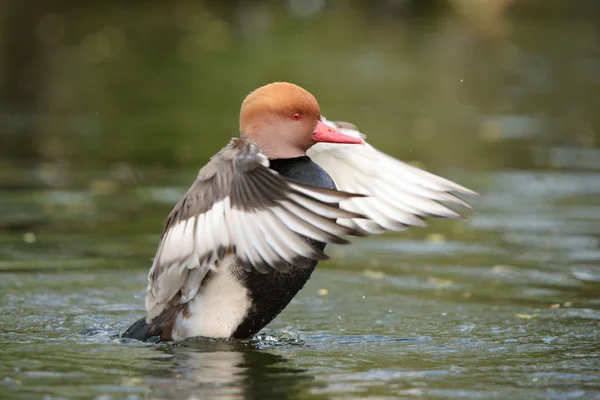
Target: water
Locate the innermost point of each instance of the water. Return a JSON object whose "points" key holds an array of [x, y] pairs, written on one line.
{"points": [[103, 140]]}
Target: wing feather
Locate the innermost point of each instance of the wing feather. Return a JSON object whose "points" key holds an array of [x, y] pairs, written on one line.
{"points": [[397, 195], [239, 206]]}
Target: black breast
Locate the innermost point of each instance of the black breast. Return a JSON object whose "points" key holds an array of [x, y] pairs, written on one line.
{"points": [[303, 169], [270, 293]]}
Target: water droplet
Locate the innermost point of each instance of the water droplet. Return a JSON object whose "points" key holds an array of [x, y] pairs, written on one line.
{"points": [[29, 237]]}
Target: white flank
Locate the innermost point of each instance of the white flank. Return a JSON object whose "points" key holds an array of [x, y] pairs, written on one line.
{"points": [[218, 308]]}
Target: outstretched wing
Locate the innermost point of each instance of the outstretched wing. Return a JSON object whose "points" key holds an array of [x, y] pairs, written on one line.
{"points": [[239, 206], [398, 194]]}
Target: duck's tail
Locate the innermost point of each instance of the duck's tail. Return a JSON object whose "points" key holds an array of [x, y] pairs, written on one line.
{"points": [[161, 325], [141, 330]]}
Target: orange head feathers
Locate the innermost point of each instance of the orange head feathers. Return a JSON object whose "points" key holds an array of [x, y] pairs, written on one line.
{"points": [[285, 121]]}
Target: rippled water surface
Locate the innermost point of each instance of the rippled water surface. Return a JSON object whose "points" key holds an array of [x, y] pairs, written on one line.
{"points": [[131, 101]]}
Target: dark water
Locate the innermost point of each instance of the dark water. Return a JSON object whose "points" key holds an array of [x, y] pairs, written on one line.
{"points": [[106, 114]]}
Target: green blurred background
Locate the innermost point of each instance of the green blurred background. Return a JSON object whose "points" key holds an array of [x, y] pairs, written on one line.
{"points": [[159, 83]]}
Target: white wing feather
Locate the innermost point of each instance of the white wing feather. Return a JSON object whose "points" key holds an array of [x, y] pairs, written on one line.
{"points": [[399, 195]]}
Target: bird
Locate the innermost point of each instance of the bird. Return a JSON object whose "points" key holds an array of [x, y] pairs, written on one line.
{"points": [[248, 234]]}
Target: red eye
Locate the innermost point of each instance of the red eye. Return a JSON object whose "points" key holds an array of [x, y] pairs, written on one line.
{"points": [[296, 116]]}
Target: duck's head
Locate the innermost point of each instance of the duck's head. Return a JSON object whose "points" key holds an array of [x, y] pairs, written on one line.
{"points": [[285, 121]]}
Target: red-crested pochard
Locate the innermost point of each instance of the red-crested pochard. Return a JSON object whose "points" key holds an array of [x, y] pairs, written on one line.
{"points": [[251, 229]]}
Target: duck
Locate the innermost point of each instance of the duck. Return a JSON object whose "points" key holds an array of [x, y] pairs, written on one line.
{"points": [[250, 231]]}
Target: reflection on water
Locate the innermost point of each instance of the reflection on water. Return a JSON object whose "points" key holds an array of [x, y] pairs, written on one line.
{"points": [[107, 112], [228, 370]]}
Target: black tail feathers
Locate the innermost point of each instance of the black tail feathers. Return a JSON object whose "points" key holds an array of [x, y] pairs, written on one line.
{"points": [[141, 330]]}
